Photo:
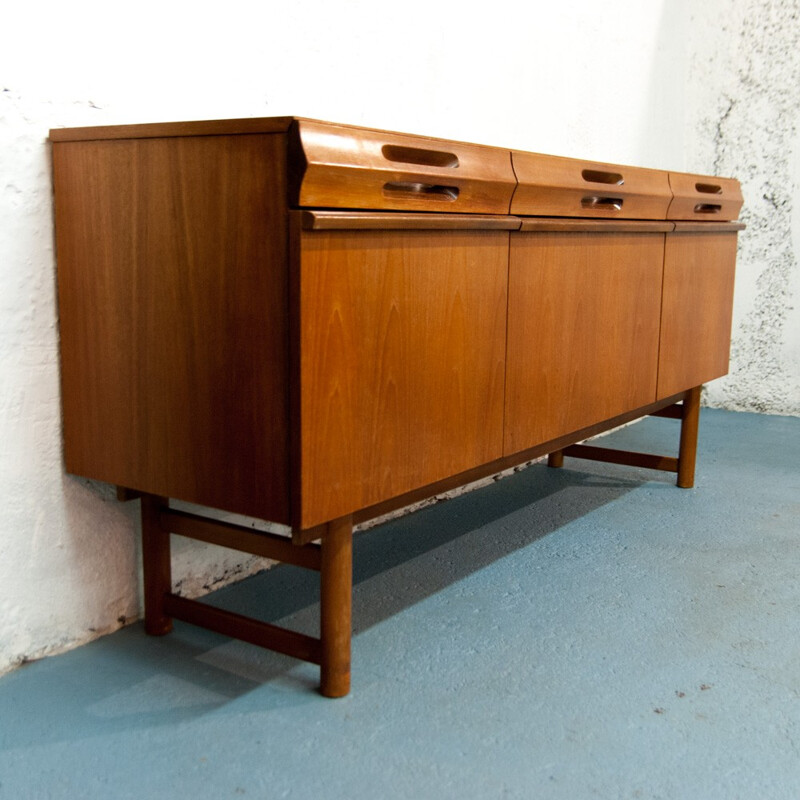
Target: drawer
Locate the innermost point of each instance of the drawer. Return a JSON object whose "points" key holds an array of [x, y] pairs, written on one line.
{"points": [[702, 197], [338, 166], [566, 187]]}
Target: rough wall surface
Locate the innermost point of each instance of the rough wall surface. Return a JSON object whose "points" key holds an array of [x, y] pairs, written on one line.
{"points": [[69, 552], [743, 114]]}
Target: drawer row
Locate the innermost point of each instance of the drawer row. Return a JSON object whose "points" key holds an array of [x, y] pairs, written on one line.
{"points": [[332, 166], [339, 166]]}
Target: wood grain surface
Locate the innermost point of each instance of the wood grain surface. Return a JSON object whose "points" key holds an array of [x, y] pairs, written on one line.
{"points": [[583, 326], [173, 317], [595, 225], [361, 168], [402, 336], [704, 198], [160, 130], [313, 220], [566, 187], [697, 309]]}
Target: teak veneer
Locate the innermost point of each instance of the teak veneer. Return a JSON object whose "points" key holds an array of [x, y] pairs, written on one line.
{"points": [[313, 324]]}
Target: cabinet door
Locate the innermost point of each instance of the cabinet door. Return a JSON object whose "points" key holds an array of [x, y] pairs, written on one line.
{"points": [[698, 298], [402, 361], [583, 327]]}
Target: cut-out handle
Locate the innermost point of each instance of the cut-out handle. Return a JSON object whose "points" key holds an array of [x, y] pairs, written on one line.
{"points": [[598, 176], [707, 208], [708, 188], [416, 155], [608, 203], [427, 190]]}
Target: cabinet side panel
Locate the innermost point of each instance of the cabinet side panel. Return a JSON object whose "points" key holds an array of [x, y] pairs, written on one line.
{"points": [[403, 361], [697, 309], [173, 317], [583, 324]]}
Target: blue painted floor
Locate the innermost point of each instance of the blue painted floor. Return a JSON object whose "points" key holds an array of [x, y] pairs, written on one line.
{"points": [[591, 632]]}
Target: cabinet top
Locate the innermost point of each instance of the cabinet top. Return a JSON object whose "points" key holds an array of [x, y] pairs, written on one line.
{"points": [[345, 166], [206, 127]]}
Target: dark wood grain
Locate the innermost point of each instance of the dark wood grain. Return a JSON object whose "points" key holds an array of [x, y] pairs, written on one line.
{"points": [[687, 454], [157, 564], [261, 634], [626, 457], [336, 590], [238, 537], [708, 227], [173, 317]]}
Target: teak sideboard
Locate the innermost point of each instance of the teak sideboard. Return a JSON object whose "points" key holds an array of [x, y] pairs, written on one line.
{"points": [[313, 324]]}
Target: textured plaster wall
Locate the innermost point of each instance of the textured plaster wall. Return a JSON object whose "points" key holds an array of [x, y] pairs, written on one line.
{"points": [[743, 116], [606, 81]]}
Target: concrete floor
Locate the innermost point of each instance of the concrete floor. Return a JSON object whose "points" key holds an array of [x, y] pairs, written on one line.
{"points": [[591, 632]]}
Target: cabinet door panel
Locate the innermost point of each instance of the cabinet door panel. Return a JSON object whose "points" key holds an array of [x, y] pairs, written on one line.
{"points": [[583, 327], [698, 296], [402, 343]]}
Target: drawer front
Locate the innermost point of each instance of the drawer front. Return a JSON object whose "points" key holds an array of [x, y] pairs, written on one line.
{"points": [[337, 166], [566, 187], [702, 197]]}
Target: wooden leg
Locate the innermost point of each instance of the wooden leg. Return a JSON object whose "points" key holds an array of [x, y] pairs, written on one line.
{"points": [[336, 590], [556, 459], [157, 567], [688, 447]]}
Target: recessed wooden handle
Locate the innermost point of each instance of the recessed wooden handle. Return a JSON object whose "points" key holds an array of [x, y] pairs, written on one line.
{"points": [[609, 203], [707, 208], [708, 188], [415, 189], [417, 155], [598, 176]]}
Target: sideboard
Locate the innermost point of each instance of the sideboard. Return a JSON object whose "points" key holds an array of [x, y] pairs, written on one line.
{"points": [[313, 324]]}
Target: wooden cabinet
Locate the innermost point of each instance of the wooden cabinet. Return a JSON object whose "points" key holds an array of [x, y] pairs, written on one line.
{"points": [[313, 324]]}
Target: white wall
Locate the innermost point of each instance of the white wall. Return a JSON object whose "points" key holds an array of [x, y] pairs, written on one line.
{"points": [[743, 114], [608, 81]]}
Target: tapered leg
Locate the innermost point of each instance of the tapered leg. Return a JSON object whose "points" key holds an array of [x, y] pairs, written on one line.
{"points": [[556, 459], [688, 448], [336, 591], [156, 566]]}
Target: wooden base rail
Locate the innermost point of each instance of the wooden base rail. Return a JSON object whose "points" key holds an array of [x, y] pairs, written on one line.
{"points": [[688, 412], [261, 634], [629, 458], [332, 558]]}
